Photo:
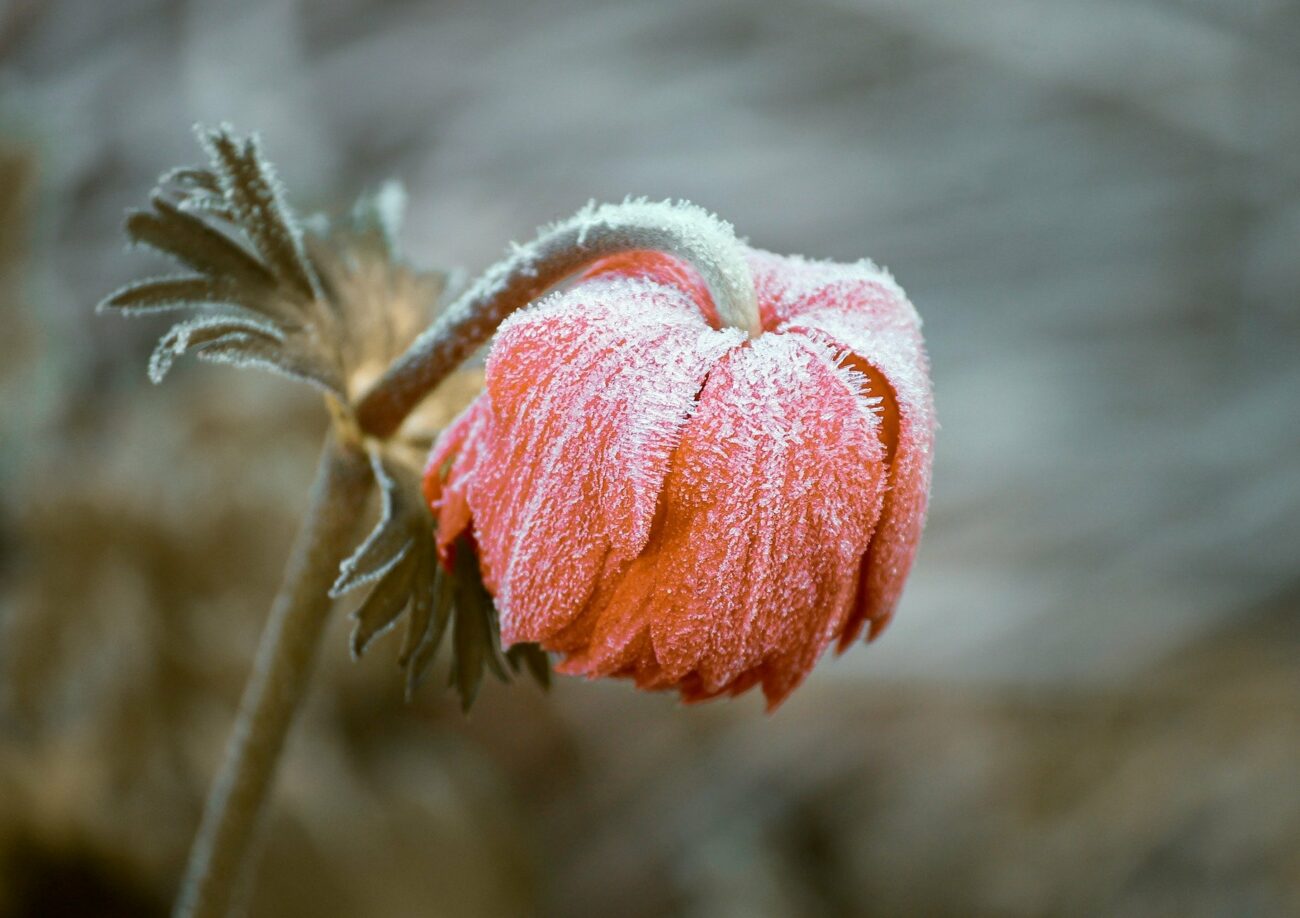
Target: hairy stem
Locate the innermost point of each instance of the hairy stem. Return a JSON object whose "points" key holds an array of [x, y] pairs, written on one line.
{"points": [[708, 243], [285, 657], [217, 868]]}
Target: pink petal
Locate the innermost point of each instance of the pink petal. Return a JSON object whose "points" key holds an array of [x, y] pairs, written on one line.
{"points": [[450, 469], [589, 393], [861, 310], [668, 270], [771, 502]]}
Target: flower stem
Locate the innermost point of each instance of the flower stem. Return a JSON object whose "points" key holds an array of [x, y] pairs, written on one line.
{"points": [[217, 869], [708, 243]]}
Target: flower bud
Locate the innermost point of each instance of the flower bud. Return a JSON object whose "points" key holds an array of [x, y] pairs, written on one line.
{"points": [[655, 496]]}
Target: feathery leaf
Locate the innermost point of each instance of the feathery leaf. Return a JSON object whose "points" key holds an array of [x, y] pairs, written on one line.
{"points": [[388, 542], [195, 243], [241, 350], [163, 294], [426, 629], [254, 194], [532, 658], [475, 634], [191, 178], [383, 605], [195, 333]]}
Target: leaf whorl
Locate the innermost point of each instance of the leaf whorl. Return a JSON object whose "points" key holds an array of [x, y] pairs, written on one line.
{"points": [[338, 292], [330, 303], [399, 562]]}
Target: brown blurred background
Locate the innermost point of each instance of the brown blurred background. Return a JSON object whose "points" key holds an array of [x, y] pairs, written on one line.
{"points": [[1090, 701]]}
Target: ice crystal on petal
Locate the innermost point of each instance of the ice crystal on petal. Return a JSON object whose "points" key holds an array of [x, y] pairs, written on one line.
{"points": [[771, 501], [861, 311], [591, 391]]}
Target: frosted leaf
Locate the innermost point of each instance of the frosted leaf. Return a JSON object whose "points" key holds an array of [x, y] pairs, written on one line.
{"points": [[385, 602], [342, 300], [255, 197], [188, 238], [382, 212], [532, 658], [331, 307], [193, 180], [388, 543], [398, 561], [213, 205], [205, 330], [429, 615], [246, 352], [475, 634], [162, 294]]}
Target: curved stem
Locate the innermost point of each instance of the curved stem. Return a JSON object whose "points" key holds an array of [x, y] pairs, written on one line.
{"points": [[708, 243], [217, 867]]}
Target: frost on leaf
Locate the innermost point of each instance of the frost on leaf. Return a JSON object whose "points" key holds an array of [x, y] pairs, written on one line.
{"points": [[330, 302], [399, 562], [327, 302]]}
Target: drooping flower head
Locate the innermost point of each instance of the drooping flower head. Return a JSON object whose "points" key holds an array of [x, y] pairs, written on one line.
{"points": [[656, 496]]}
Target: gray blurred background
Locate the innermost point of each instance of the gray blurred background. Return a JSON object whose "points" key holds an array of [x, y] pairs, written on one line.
{"points": [[1090, 700]]}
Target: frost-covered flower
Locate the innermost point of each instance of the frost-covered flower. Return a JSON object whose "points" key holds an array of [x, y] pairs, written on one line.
{"points": [[653, 495]]}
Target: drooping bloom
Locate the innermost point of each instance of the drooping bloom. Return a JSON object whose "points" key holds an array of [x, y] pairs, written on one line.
{"points": [[658, 497]]}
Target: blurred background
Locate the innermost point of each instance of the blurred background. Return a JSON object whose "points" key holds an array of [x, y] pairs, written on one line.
{"points": [[1090, 700]]}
